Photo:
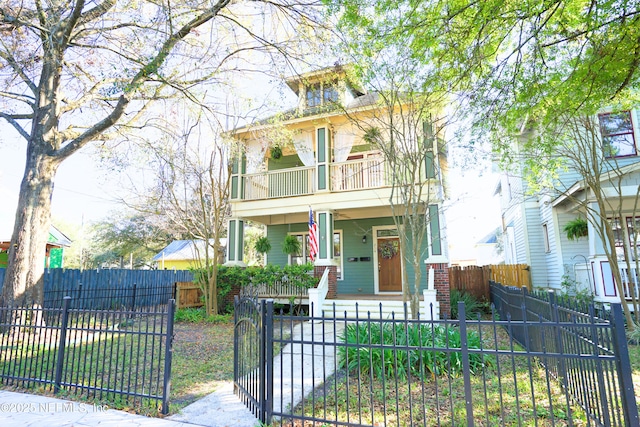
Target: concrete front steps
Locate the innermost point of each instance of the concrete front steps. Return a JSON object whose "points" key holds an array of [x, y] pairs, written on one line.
{"points": [[373, 308]]}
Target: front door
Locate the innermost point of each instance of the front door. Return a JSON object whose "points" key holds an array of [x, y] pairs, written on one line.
{"points": [[389, 265]]}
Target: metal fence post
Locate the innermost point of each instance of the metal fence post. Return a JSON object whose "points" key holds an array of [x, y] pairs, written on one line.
{"points": [[267, 361], [624, 367], [133, 298], [62, 340], [464, 349], [167, 357]]}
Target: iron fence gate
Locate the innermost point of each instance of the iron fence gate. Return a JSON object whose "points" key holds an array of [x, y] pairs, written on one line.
{"points": [[252, 366]]}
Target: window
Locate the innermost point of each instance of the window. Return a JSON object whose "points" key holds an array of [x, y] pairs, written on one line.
{"points": [[617, 134], [633, 226], [313, 96], [545, 235], [303, 256], [337, 253], [330, 94], [617, 236], [321, 94]]}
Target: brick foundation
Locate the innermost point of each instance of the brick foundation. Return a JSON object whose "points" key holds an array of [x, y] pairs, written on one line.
{"points": [[318, 271], [441, 283]]}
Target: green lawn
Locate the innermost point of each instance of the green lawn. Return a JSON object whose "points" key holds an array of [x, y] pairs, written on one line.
{"points": [[634, 355]]}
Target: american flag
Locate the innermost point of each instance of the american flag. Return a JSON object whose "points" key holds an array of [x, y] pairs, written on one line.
{"points": [[313, 236]]}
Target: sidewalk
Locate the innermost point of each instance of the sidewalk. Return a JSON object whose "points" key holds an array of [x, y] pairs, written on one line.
{"points": [[221, 408], [20, 409]]}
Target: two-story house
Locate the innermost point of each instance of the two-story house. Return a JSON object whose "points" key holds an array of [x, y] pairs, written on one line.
{"points": [[315, 157], [600, 182]]}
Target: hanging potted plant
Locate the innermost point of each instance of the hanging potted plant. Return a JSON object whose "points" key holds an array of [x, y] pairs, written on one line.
{"points": [[262, 245], [576, 228], [276, 152], [291, 245]]}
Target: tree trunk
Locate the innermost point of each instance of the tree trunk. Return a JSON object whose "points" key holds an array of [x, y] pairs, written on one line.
{"points": [[23, 280]]}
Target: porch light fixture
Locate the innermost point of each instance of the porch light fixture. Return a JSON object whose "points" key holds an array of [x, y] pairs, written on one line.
{"points": [[364, 239]]}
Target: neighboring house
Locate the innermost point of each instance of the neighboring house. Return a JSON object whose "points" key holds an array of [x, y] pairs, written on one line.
{"points": [[184, 254], [314, 157], [534, 222], [54, 256]]}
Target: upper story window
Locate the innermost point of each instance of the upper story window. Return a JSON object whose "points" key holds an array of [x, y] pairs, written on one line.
{"points": [[617, 134], [320, 94]]}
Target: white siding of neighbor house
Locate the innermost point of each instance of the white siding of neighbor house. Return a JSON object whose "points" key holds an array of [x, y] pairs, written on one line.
{"points": [[537, 254], [552, 259]]}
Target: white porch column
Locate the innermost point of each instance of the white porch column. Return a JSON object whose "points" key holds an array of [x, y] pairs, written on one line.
{"points": [[325, 238], [235, 242], [323, 158]]}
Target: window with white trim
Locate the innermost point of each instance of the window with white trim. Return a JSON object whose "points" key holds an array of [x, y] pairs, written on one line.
{"points": [[301, 257], [617, 134], [337, 252], [545, 235]]}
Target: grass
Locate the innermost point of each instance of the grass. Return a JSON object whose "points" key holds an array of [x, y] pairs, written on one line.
{"points": [[202, 360], [634, 356]]}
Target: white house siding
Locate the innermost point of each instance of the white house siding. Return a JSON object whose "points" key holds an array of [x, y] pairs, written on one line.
{"points": [[537, 255], [552, 259]]}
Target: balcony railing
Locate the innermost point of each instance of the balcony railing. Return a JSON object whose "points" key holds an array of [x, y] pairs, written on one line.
{"points": [[359, 174], [346, 176], [280, 183], [629, 279]]}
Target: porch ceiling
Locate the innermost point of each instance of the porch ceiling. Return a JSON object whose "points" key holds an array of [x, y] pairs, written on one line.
{"points": [[339, 214]]}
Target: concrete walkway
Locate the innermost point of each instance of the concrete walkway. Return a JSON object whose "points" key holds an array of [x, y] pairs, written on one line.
{"points": [[304, 365], [297, 370]]}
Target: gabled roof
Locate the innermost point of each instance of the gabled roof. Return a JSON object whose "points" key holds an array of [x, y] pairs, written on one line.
{"points": [[57, 237], [489, 238], [184, 250], [580, 185]]}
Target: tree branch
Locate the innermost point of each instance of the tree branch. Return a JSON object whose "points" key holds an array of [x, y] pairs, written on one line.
{"points": [[4, 54], [143, 75], [13, 122]]}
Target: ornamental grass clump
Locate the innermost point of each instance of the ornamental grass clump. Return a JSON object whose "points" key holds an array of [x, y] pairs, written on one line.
{"points": [[384, 350]]}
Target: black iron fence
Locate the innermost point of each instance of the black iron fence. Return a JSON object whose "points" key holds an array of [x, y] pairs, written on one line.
{"points": [[596, 372], [109, 289], [504, 371], [120, 356]]}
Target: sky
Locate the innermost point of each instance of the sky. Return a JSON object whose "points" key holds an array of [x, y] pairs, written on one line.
{"points": [[81, 188]]}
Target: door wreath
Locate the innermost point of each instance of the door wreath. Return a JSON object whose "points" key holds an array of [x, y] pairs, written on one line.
{"points": [[388, 249]]}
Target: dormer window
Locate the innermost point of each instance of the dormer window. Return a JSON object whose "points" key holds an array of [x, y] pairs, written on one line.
{"points": [[321, 94], [617, 134]]}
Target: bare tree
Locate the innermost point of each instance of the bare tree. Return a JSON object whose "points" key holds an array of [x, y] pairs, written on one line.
{"points": [[80, 71], [406, 125], [190, 195]]}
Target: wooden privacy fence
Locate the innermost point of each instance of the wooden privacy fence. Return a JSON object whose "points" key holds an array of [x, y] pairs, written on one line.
{"points": [[475, 280], [188, 294]]}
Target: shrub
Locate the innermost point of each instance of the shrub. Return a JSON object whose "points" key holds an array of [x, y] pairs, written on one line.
{"points": [[190, 315], [472, 305], [371, 358]]}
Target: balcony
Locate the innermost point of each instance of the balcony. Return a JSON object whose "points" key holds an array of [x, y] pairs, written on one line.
{"points": [[346, 176]]}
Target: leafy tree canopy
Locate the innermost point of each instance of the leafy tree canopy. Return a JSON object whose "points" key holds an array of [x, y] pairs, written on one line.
{"points": [[510, 62]]}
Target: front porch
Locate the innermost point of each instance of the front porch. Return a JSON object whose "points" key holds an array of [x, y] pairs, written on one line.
{"points": [[374, 306], [598, 278]]}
